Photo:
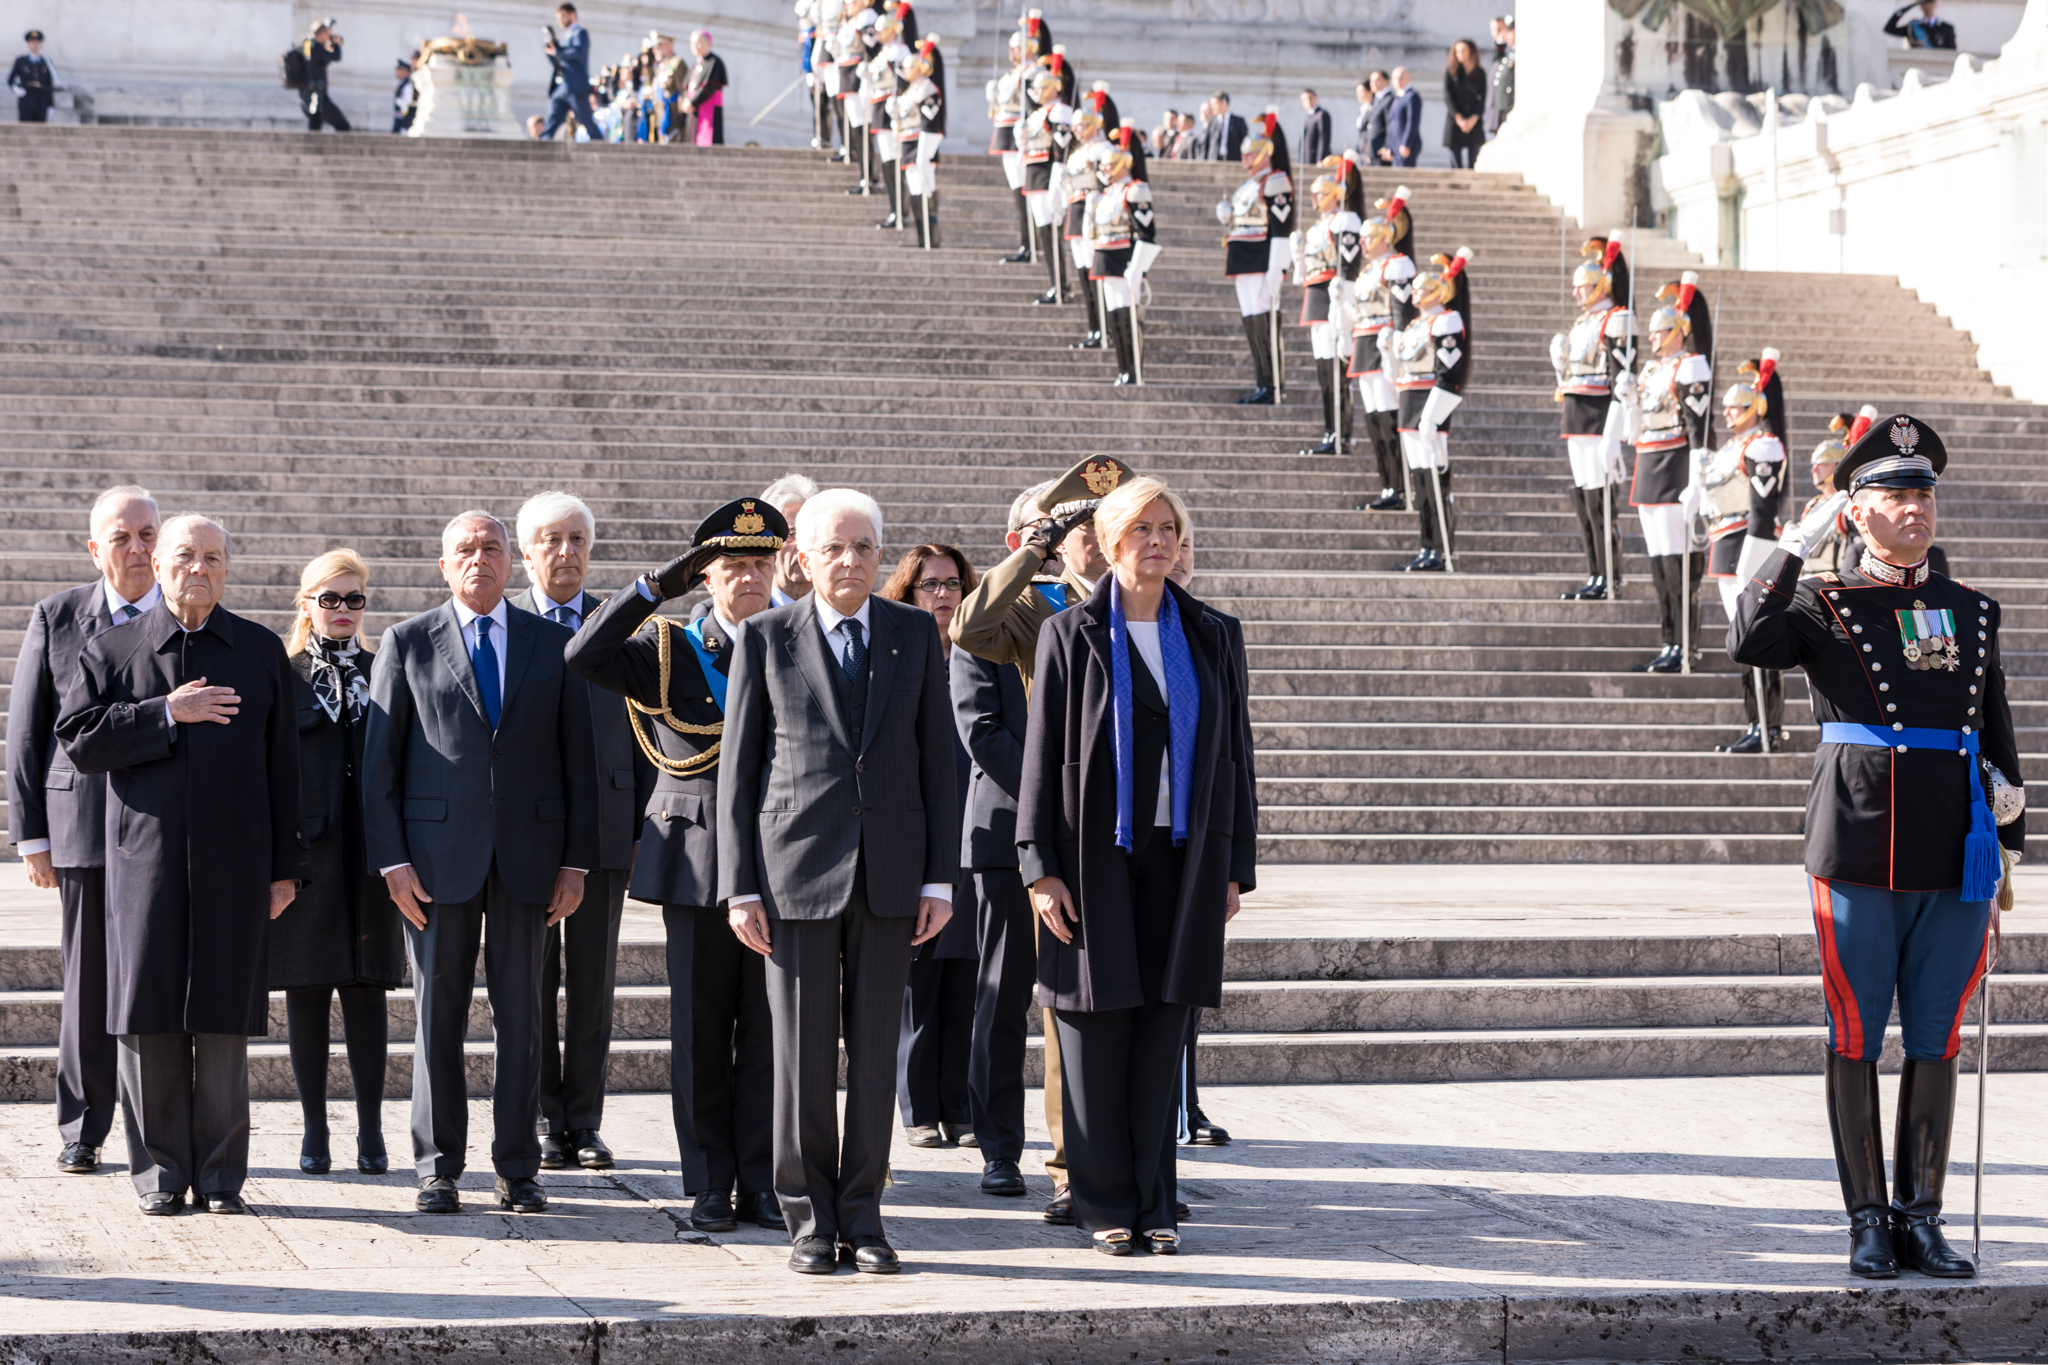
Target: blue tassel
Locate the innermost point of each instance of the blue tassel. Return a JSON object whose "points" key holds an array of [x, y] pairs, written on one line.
{"points": [[1982, 867]]}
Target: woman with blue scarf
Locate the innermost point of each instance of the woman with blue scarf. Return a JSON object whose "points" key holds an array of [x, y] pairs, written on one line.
{"points": [[1136, 832]]}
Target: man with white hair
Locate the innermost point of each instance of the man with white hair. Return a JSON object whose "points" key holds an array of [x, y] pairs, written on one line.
{"points": [[480, 812], [191, 713], [786, 495], [838, 847], [56, 815], [556, 533]]}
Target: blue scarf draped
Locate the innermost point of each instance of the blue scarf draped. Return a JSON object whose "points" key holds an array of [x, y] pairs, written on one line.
{"points": [[1183, 690], [706, 661]]}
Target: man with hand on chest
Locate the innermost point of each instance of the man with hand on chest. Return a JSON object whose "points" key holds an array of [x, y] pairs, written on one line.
{"points": [[674, 679], [1914, 820]]}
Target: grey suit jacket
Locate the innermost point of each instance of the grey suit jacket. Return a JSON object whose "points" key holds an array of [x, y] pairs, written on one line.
{"points": [[444, 792], [624, 776], [803, 801], [46, 797]]}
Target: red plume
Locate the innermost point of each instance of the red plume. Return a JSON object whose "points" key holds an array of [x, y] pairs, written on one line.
{"points": [[1031, 25], [1458, 263], [1271, 120], [1096, 99], [1766, 367], [1123, 137], [1862, 424], [1688, 286], [1398, 202], [902, 10], [1607, 256], [1059, 61]]}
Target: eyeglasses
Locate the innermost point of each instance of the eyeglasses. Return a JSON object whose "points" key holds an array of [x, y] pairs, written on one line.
{"points": [[836, 549], [334, 601], [939, 585]]}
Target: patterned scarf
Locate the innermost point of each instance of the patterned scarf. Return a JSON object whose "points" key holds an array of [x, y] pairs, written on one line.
{"points": [[1183, 690], [337, 680]]}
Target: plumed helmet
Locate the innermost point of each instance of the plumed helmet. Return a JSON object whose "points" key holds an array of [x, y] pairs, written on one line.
{"points": [[1389, 224], [1758, 392], [1602, 266]]}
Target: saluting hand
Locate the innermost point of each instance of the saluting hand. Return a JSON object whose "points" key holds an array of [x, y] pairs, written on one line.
{"points": [[195, 702], [1049, 897]]}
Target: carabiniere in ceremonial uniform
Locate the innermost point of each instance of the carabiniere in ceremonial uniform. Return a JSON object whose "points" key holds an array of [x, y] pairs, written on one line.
{"points": [[1915, 816]]}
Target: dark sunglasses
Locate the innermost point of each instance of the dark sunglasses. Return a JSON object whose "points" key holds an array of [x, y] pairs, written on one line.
{"points": [[939, 584], [334, 601]]}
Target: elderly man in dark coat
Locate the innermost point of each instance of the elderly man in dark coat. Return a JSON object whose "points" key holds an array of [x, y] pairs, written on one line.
{"points": [[188, 710]]}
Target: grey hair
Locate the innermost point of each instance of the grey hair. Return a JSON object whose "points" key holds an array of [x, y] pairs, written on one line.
{"points": [[462, 519], [168, 533], [1028, 502], [789, 488], [819, 506], [114, 497], [545, 509]]}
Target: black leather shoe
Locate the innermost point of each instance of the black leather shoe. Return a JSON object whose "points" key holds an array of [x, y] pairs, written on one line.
{"points": [[591, 1153], [1124, 380], [371, 1158], [813, 1256], [1392, 500], [711, 1211], [924, 1135], [225, 1201], [1181, 1212], [161, 1204], [438, 1195], [886, 223], [522, 1194], [1871, 1254], [78, 1159], [1919, 1245], [1202, 1133], [313, 1156], [554, 1152], [1060, 1212], [1671, 660], [1050, 296], [1592, 590], [872, 1256], [1752, 742], [1001, 1177], [1261, 394], [1091, 342], [763, 1209], [1650, 665], [1426, 561], [1326, 446], [1021, 256]]}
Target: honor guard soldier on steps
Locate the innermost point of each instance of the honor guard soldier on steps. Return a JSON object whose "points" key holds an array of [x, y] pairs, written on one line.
{"points": [[1258, 219], [1830, 537], [1122, 247], [1009, 100], [1431, 359], [922, 107], [1048, 137], [1075, 184], [857, 46], [1382, 307], [1674, 429], [673, 680], [1331, 256], [1742, 492], [1595, 367], [879, 86], [1915, 816]]}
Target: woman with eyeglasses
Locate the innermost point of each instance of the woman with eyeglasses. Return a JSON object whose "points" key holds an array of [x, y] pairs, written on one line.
{"points": [[341, 934], [938, 1005]]}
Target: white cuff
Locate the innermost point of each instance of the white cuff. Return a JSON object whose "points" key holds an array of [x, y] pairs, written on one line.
{"points": [[938, 891], [28, 846], [737, 901], [387, 871], [645, 591]]}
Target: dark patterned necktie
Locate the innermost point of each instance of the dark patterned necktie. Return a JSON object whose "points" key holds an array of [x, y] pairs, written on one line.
{"points": [[565, 616], [129, 611], [854, 658]]}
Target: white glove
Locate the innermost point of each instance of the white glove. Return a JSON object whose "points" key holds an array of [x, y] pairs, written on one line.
{"points": [[1625, 387], [1801, 538], [1689, 502], [1559, 349], [1223, 212]]}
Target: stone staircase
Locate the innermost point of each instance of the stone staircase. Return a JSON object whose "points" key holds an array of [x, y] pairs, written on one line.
{"points": [[343, 340]]}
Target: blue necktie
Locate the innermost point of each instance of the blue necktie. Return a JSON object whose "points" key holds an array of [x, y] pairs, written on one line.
{"points": [[485, 662], [855, 657], [565, 616]]}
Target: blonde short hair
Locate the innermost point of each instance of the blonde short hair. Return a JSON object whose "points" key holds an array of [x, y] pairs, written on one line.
{"points": [[331, 564], [1115, 513]]}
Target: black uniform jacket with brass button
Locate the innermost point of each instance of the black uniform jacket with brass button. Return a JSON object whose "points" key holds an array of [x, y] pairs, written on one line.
{"points": [[1879, 817], [678, 859]]}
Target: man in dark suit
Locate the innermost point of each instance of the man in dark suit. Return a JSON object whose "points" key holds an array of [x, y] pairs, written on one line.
{"points": [[721, 1069], [1316, 138], [190, 711], [480, 812], [56, 815], [571, 95], [556, 531], [1374, 96], [838, 847], [1226, 131], [35, 85], [1404, 121]]}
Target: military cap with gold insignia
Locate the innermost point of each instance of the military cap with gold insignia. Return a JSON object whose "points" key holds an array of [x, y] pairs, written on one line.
{"points": [[744, 526], [1085, 485], [1899, 452], [34, 35]]}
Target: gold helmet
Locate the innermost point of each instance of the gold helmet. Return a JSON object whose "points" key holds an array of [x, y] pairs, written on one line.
{"points": [[1087, 123], [1675, 305], [887, 28], [1114, 164], [1326, 194], [1048, 81], [1437, 282], [1750, 394], [1597, 266], [1844, 431], [1388, 225], [917, 65]]}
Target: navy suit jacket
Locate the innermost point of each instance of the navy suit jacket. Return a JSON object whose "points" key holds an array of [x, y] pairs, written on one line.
{"points": [[990, 710], [572, 59], [1404, 126], [47, 798]]}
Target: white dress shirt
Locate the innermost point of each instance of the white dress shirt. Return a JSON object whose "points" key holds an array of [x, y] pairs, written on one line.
{"points": [[778, 598], [830, 619], [574, 604]]}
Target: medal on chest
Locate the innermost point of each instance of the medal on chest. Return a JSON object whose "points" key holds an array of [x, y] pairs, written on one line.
{"points": [[1929, 638]]}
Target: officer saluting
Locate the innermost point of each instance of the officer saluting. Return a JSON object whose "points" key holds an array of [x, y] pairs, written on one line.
{"points": [[673, 679], [1915, 789]]}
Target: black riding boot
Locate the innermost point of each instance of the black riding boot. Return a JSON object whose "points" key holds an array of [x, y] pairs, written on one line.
{"points": [[1859, 1161], [931, 220], [1328, 444], [1664, 581], [1927, 1115], [913, 204], [1118, 324], [1433, 540], [1091, 298], [892, 181], [1383, 429], [1023, 252], [1049, 245], [1586, 506], [1258, 336], [1343, 383]]}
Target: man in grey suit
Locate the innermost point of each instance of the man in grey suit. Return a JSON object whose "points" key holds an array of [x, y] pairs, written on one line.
{"points": [[838, 847], [556, 532], [480, 812], [56, 816]]}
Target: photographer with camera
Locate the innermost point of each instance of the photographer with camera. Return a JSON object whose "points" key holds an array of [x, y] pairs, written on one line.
{"points": [[570, 53], [320, 51]]}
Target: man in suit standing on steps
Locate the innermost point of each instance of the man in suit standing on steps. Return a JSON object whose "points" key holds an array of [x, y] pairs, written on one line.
{"points": [[556, 533], [571, 95], [1404, 121], [480, 811], [786, 495], [838, 847], [56, 815]]}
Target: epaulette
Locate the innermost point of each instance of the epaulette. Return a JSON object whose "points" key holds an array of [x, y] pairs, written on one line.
{"points": [[1828, 576]]}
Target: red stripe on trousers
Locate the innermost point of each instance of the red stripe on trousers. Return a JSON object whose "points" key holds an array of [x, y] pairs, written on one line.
{"points": [[1955, 1032], [1834, 981]]}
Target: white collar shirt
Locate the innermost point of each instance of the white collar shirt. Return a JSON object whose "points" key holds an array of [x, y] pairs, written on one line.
{"points": [[116, 604], [545, 604], [467, 619]]}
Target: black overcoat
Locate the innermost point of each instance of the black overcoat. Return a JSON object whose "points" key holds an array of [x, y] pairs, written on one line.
{"points": [[201, 819], [1066, 815], [341, 929]]}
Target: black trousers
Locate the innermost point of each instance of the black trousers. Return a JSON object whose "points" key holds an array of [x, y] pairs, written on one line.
{"points": [[935, 1040], [185, 1099], [1774, 697], [320, 109], [721, 1054], [1122, 1076], [33, 108], [824, 977], [1190, 1092], [443, 957], [86, 1053], [576, 1047], [1006, 931]]}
